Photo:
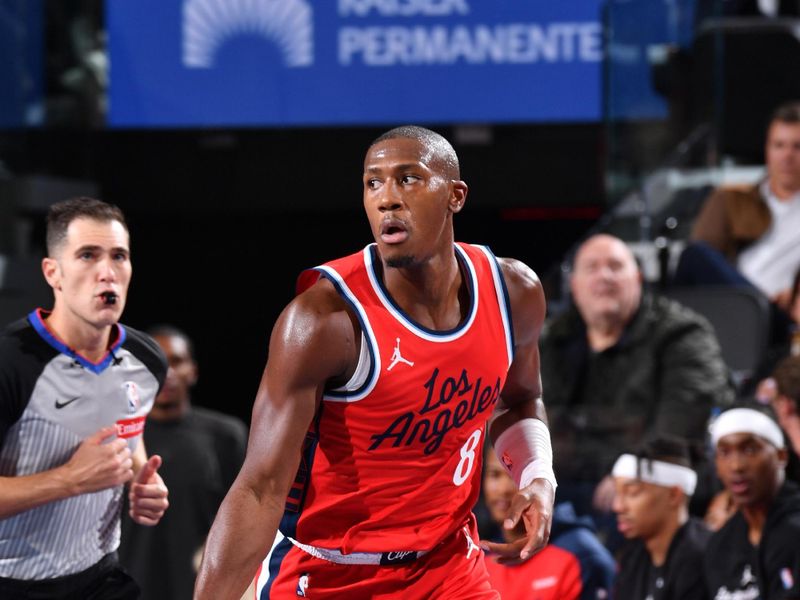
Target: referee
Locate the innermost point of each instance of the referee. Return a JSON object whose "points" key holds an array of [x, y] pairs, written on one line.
{"points": [[75, 388]]}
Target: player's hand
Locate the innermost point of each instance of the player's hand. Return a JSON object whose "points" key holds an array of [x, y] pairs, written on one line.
{"points": [[148, 494], [532, 507], [99, 462]]}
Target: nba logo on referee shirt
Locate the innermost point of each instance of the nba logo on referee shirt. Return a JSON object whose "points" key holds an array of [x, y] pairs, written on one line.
{"points": [[132, 394], [302, 585]]}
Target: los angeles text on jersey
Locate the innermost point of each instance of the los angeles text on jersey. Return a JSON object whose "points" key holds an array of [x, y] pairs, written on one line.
{"points": [[449, 403]]}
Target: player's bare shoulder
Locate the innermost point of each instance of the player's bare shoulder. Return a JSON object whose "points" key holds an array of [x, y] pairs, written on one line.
{"points": [[526, 297], [318, 327]]}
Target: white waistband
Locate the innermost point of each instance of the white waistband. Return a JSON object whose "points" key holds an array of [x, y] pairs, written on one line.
{"points": [[360, 558]]}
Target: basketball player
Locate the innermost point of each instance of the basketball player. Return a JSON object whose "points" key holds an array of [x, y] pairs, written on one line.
{"points": [[75, 388], [365, 448]]}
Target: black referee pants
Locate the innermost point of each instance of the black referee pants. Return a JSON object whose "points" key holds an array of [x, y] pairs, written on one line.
{"points": [[104, 581]]}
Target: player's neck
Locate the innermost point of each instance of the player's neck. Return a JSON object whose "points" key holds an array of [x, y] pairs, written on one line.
{"points": [[658, 545], [755, 515], [85, 339], [429, 292]]}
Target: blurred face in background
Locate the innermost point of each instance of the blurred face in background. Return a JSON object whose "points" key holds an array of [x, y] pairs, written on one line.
{"points": [[782, 153], [750, 468], [181, 374], [643, 509], [606, 283]]}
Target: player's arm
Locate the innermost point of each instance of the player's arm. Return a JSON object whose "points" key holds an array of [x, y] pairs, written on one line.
{"points": [[312, 342], [519, 425], [101, 461]]}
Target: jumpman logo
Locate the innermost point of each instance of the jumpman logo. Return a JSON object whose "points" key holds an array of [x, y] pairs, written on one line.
{"points": [[471, 545], [747, 576], [397, 357]]}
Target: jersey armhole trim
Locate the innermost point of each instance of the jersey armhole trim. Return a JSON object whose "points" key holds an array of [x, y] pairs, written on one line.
{"points": [[502, 300], [343, 394]]}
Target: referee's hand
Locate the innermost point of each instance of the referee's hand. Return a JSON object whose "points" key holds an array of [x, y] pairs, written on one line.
{"points": [[148, 494], [101, 461]]}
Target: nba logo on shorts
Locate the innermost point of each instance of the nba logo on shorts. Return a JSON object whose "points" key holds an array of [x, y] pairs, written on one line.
{"points": [[132, 393], [302, 585]]}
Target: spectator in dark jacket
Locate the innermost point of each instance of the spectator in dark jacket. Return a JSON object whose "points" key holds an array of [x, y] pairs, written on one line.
{"points": [[619, 367]]}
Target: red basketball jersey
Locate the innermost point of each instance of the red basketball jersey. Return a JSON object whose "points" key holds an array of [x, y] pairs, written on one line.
{"points": [[393, 460]]}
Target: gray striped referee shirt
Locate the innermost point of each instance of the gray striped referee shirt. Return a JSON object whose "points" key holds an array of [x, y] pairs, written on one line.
{"points": [[50, 400]]}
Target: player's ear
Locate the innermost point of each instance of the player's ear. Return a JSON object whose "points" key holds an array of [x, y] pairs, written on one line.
{"points": [[458, 196], [52, 272]]}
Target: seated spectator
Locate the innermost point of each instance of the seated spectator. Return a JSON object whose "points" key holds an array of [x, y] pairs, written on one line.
{"points": [[663, 559], [574, 565], [756, 554], [782, 391], [751, 235], [620, 367], [203, 452]]}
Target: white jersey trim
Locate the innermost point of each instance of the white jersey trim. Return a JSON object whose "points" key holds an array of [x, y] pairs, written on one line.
{"points": [[406, 322], [361, 374], [502, 301], [355, 390]]}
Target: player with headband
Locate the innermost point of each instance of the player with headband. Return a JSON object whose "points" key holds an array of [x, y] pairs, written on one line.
{"points": [[756, 554], [663, 558]]}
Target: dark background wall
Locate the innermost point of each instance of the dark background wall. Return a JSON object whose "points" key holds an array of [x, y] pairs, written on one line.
{"points": [[223, 221]]}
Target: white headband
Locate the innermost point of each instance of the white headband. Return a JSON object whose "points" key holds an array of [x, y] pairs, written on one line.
{"points": [[746, 420], [656, 472]]}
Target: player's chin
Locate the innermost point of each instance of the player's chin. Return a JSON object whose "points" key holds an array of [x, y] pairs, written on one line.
{"points": [[398, 260]]}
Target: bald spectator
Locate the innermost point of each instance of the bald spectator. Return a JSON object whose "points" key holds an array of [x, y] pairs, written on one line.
{"points": [[621, 366]]}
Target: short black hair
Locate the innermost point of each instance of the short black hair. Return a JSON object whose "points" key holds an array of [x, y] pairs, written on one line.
{"points": [[166, 330], [665, 448], [61, 214], [441, 149], [788, 112]]}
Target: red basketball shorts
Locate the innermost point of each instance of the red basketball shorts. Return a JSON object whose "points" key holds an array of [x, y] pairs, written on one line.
{"points": [[454, 570]]}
